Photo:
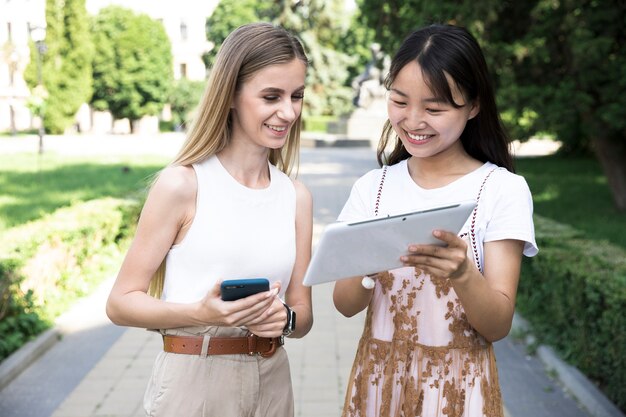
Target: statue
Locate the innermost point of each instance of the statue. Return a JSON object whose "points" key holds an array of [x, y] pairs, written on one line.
{"points": [[366, 121], [368, 86]]}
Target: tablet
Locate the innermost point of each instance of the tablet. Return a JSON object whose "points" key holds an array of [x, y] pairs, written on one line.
{"points": [[348, 249]]}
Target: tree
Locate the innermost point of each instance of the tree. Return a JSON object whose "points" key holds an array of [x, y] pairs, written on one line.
{"points": [[357, 43], [132, 69], [229, 15], [571, 69], [545, 59], [66, 65], [183, 99], [319, 24]]}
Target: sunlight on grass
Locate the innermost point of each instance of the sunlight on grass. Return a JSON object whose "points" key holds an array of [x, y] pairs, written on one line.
{"points": [[550, 193], [31, 186], [574, 191]]}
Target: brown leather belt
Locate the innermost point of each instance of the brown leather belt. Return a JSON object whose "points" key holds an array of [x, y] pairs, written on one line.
{"points": [[250, 345]]}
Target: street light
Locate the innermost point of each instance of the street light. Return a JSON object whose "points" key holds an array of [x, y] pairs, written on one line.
{"points": [[14, 60], [38, 35]]}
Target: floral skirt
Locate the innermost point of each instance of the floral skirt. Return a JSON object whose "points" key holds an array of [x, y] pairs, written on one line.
{"points": [[398, 379]]}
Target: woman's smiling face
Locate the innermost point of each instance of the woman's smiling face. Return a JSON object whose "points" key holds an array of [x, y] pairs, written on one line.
{"points": [[427, 125], [268, 104]]}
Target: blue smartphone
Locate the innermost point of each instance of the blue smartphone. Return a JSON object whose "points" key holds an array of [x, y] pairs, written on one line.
{"points": [[234, 289]]}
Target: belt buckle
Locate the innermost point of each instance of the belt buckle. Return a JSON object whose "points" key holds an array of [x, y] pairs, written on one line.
{"points": [[252, 346], [273, 346]]}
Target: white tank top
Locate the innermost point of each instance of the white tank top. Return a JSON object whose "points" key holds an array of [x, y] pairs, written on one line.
{"points": [[237, 233]]}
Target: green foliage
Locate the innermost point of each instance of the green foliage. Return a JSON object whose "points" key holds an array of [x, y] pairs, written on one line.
{"points": [[183, 100], [321, 25], [19, 318], [229, 15], [556, 69], [132, 68], [49, 263], [393, 20], [544, 55], [53, 259], [66, 65], [574, 294], [318, 123], [318, 23], [356, 42]]}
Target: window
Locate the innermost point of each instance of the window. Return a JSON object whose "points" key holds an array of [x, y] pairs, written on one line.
{"points": [[183, 30]]}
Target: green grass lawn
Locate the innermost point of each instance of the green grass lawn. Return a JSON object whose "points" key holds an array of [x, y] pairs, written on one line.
{"points": [[574, 190], [569, 190], [31, 186]]}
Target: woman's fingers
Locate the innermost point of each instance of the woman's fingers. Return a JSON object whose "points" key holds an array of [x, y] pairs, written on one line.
{"points": [[447, 261], [271, 322], [254, 309]]}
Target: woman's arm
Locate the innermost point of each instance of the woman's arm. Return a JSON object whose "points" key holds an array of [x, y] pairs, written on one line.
{"points": [[350, 296], [489, 300], [297, 296], [165, 218]]}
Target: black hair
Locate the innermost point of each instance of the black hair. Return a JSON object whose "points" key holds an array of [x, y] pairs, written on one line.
{"points": [[445, 49]]}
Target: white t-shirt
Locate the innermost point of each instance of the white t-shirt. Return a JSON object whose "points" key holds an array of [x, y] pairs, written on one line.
{"points": [[504, 209]]}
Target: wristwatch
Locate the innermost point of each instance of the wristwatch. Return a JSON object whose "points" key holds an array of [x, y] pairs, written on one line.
{"points": [[290, 326]]}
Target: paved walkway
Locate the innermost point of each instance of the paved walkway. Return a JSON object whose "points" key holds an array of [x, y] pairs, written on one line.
{"points": [[101, 370]]}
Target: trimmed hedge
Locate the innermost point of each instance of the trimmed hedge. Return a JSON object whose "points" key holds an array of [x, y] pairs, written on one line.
{"points": [[47, 264], [574, 295]]}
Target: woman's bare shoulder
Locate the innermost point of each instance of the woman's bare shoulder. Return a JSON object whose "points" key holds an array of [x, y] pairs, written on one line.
{"points": [[179, 181], [302, 192]]}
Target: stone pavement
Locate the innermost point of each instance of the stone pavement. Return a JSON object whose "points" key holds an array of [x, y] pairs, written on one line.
{"points": [[97, 369]]}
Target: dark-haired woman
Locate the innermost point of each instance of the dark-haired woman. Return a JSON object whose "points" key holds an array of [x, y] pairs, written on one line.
{"points": [[426, 348]]}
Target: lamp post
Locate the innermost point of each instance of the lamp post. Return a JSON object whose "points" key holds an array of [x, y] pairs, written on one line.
{"points": [[14, 59], [38, 35]]}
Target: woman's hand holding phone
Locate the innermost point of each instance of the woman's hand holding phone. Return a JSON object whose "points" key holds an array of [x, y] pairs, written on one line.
{"points": [[212, 310], [269, 324]]}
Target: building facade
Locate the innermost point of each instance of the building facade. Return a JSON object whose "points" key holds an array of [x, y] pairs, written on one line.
{"points": [[183, 20], [17, 18]]}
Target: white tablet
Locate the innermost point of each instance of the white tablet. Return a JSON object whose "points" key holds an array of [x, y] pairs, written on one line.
{"points": [[348, 249]]}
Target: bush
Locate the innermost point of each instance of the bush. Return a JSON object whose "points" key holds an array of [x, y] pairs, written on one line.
{"points": [[574, 294], [184, 99], [318, 123], [47, 264]]}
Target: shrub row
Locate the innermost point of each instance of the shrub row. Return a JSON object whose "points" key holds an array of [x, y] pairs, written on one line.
{"points": [[574, 295], [47, 264]]}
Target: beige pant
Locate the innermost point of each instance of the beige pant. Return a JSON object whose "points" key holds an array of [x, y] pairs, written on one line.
{"points": [[219, 385]]}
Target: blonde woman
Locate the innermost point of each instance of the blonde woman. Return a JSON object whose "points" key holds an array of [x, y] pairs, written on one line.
{"points": [[225, 208]]}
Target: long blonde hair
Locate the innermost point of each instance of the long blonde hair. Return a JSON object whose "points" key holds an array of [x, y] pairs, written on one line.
{"points": [[247, 50]]}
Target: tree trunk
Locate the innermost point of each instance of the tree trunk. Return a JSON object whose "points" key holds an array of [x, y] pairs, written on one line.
{"points": [[611, 153]]}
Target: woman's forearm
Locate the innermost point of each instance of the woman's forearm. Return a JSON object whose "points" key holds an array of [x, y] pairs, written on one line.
{"points": [[138, 309], [489, 311], [350, 297]]}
